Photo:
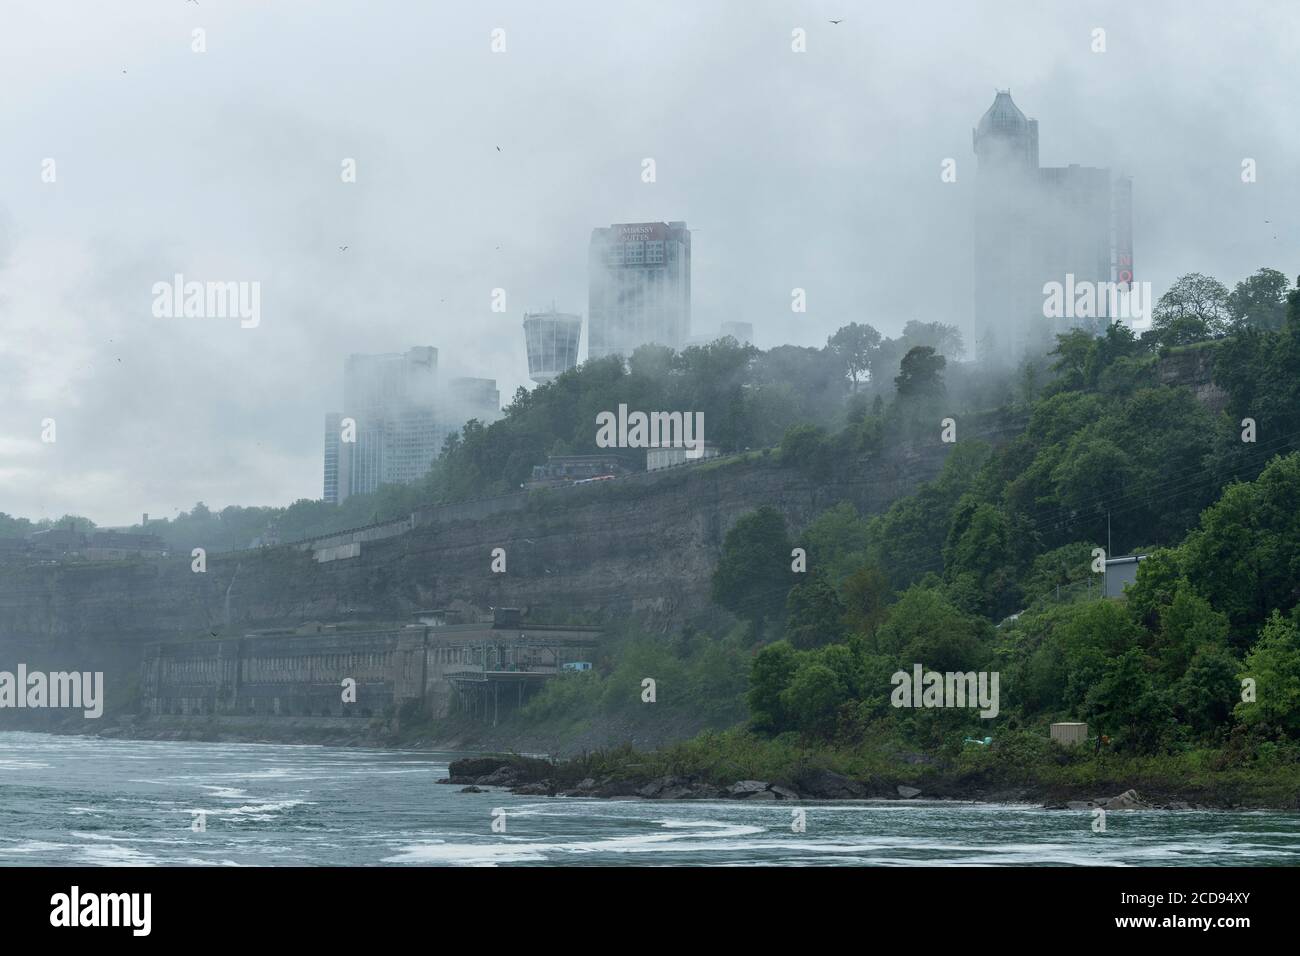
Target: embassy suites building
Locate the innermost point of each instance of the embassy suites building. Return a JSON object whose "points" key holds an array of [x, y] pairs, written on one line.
{"points": [[639, 288]]}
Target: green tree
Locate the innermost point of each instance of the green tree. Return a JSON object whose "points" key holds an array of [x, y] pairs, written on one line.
{"points": [[979, 560], [1245, 556], [814, 614], [1259, 301], [1074, 358], [814, 697], [1127, 704], [753, 575], [770, 674], [944, 339], [855, 345], [1274, 664], [806, 446], [836, 541], [1194, 308], [866, 599], [924, 627], [920, 375], [1186, 624], [1205, 694]]}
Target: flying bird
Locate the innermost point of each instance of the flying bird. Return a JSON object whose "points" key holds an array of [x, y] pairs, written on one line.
{"points": [[498, 149], [343, 248], [837, 22]]}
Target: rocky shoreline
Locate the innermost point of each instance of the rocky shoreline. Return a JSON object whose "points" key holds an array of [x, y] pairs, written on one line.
{"points": [[543, 777], [535, 777]]}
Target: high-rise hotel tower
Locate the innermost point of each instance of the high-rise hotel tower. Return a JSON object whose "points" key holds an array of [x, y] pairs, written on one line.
{"points": [[639, 287], [1034, 225]]}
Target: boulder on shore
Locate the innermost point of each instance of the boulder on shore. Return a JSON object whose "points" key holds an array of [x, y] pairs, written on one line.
{"points": [[907, 793], [1128, 800], [829, 785], [500, 771]]}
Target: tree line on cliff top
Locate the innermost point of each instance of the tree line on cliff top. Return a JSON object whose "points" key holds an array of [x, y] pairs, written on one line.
{"points": [[751, 399]]}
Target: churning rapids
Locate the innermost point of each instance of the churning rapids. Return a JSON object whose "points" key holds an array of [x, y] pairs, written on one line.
{"points": [[88, 801]]}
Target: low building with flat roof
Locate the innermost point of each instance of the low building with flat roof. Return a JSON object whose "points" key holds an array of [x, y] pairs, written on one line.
{"points": [[1120, 573]]}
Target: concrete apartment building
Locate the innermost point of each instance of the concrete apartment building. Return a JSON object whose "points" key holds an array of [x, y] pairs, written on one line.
{"points": [[403, 412]]}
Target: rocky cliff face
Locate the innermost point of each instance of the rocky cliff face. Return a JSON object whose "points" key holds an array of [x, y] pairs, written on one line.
{"points": [[1193, 368], [602, 552], [643, 547]]}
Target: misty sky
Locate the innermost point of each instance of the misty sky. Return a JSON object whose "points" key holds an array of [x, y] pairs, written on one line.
{"points": [[819, 170]]}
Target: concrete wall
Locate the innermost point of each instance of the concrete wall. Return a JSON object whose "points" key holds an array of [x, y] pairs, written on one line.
{"points": [[287, 676], [303, 675]]}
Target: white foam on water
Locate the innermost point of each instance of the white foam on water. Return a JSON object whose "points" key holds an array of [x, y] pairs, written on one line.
{"points": [[34, 846], [225, 793], [493, 853], [469, 854], [19, 764], [253, 811], [112, 855], [692, 823]]}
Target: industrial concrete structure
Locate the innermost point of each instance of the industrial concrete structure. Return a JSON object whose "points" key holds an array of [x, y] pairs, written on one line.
{"points": [[552, 340], [1035, 225], [639, 287], [426, 668], [102, 544]]}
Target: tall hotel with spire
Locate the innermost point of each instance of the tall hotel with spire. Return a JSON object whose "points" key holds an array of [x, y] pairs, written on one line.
{"points": [[1037, 224]]}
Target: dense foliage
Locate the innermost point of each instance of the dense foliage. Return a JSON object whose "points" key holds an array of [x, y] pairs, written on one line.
{"points": [[988, 568]]}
